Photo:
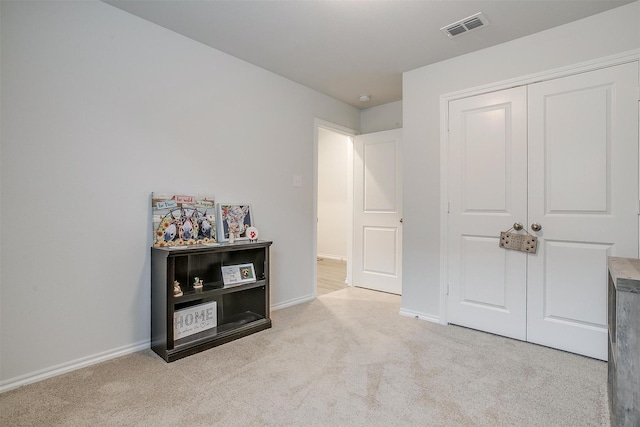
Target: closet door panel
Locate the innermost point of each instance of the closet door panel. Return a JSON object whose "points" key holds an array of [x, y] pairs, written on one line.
{"points": [[583, 191], [488, 194]]}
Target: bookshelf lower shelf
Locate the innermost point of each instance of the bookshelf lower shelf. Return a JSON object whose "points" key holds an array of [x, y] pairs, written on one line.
{"points": [[231, 326], [215, 337]]}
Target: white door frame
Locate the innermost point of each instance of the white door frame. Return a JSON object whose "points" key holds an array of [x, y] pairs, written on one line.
{"points": [[622, 58], [318, 123]]}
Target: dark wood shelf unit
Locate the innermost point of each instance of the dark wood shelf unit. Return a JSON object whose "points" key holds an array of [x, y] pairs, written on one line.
{"points": [[241, 309]]}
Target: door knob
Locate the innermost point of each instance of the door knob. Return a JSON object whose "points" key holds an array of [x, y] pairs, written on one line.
{"points": [[401, 220], [536, 227], [517, 226]]}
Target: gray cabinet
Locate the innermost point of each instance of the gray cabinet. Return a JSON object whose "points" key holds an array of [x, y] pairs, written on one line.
{"points": [[624, 341]]}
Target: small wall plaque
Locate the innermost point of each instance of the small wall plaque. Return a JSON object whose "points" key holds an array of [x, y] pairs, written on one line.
{"points": [[519, 242]]}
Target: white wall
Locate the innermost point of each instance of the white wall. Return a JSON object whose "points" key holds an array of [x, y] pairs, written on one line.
{"points": [[611, 32], [0, 191], [383, 117], [99, 109], [332, 194]]}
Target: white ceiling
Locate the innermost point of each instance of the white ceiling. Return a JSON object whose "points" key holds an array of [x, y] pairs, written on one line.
{"points": [[348, 48]]}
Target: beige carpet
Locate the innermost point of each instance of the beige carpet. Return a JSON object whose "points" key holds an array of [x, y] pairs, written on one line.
{"points": [[345, 359]]}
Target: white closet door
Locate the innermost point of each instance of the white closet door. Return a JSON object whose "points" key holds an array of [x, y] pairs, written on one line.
{"points": [[583, 191], [488, 194]]}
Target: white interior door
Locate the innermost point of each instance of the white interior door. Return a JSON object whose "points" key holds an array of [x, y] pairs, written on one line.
{"points": [[377, 211], [583, 191], [577, 167], [488, 194]]}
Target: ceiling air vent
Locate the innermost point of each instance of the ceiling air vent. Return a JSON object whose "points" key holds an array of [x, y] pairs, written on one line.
{"points": [[465, 25]]}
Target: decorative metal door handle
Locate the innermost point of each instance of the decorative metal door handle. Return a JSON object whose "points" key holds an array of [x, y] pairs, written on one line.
{"points": [[517, 226], [536, 227]]}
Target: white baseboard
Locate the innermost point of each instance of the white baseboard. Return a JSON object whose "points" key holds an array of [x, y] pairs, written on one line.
{"points": [[292, 302], [63, 368], [421, 316]]}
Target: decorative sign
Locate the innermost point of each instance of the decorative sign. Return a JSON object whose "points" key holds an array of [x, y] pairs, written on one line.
{"points": [[180, 220], [252, 234], [166, 204], [519, 242], [185, 199], [194, 319], [237, 274]]}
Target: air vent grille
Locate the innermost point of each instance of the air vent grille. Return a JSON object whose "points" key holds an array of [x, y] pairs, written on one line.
{"points": [[456, 29], [465, 25], [474, 23]]}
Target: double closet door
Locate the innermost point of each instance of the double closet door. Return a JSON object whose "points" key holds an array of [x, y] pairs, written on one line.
{"points": [[560, 158]]}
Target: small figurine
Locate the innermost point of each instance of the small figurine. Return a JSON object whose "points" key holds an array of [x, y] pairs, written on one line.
{"points": [[177, 292], [232, 233], [197, 283]]}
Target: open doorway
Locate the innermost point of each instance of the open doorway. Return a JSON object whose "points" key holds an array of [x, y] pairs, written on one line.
{"points": [[334, 159]]}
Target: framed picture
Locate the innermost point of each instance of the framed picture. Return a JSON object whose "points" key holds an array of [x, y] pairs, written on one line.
{"points": [[182, 220], [238, 274], [234, 218]]}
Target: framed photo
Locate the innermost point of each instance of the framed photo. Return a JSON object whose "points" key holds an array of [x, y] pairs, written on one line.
{"points": [[181, 220], [234, 218], [238, 274]]}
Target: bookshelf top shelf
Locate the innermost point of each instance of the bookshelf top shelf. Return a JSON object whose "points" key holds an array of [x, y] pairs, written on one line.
{"points": [[217, 247]]}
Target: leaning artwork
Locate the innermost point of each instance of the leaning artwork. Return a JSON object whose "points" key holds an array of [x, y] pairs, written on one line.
{"points": [[181, 220], [234, 221]]}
